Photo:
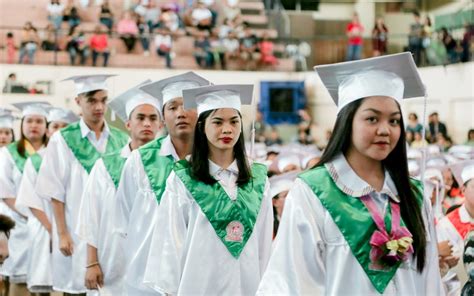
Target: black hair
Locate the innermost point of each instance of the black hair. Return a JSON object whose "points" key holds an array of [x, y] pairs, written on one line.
{"points": [[6, 224], [471, 131], [20, 147], [9, 35], [90, 94], [452, 208], [414, 115], [416, 13], [396, 164], [200, 154]]}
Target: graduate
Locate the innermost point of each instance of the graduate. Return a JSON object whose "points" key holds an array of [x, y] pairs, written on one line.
{"points": [[12, 162], [66, 165], [144, 176], [214, 226], [280, 185], [7, 135], [38, 210], [455, 226], [356, 224], [105, 257]]}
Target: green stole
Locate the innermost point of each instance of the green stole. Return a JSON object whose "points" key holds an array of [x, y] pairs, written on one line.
{"points": [[157, 167], [17, 158], [114, 163], [82, 148], [233, 221], [354, 221], [36, 160]]}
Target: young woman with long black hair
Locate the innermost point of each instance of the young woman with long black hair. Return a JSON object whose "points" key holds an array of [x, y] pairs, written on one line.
{"points": [[12, 161], [356, 224], [213, 233]]}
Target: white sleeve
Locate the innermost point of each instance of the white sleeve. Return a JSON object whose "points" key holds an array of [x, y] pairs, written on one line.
{"points": [[126, 193], [27, 197], [431, 272], [266, 231], [55, 169], [167, 251], [296, 266], [88, 224], [7, 184]]}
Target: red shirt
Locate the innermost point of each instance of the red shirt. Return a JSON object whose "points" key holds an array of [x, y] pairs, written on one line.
{"points": [[99, 42], [357, 40]]}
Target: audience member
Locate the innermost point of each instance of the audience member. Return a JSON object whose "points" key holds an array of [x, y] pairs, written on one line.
{"points": [[354, 32], [413, 125], [266, 51], [466, 43], [106, 17], [248, 47], [418, 141], [164, 44], [201, 16], [436, 127], [379, 38], [470, 138], [77, 46], [231, 11], [10, 47], [71, 14], [202, 50], [55, 13], [415, 38], [13, 86], [128, 30], [450, 44], [274, 138], [99, 45], [145, 34], [49, 38], [29, 43]]}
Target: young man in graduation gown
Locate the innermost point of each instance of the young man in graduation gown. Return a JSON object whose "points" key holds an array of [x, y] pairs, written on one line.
{"points": [[455, 226], [69, 158], [105, 257], [145, 172]]}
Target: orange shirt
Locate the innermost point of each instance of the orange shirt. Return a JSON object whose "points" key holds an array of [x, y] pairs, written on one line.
{"points": [[99, 42]]}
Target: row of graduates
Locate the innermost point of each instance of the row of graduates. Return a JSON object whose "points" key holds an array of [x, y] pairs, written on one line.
{"points": [[190, 214]]}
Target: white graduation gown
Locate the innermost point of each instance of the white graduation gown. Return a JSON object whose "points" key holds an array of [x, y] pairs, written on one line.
{"points": [[16, 265], [96, 226], [187, 257], [39, 275], [135, 218], [447, 231], [62, 177], [311, 257]]}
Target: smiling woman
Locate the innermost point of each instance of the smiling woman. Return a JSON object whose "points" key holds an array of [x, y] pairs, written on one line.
{"points": [[358, 204]]}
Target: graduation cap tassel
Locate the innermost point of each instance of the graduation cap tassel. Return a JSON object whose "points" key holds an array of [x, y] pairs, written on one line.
{"points": [[424, 150], [252, 132]]}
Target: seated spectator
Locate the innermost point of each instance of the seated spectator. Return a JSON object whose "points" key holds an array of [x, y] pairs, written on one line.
{"points": [[29, 43], [77, 46], [164, 44], [218, 52], [450, 44], [106, 17], [48, 37], [248, 47], [55, 13], [169, 19], [232, 11], [466, 42], [71, 14], [202, 50], [145, 34], [413, 124], [201, 16], [418, 142], [13, 86], [274, 138], [149, 11], [99, 44], [128, 30], [436, 127], [266, 51], [11, 48], [231, 45]]}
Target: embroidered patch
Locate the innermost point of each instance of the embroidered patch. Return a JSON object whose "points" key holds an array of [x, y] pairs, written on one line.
{"points": [[235, 231]]}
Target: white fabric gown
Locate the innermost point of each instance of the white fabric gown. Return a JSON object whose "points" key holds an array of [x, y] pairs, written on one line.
{"points": [[16, 265], [96, 227], [135, 218], [188, 258], [311, 256], [63, 178], [39, 275]]}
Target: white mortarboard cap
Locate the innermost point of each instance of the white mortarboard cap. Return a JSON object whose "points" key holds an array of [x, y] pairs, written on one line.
{"points": [[394, 76], [218, 96], [171, 88], [4, 111], [437, 161], [282, 183], [433, 173], [463, 171], [62, 115], [413, 167], [6, 121], [125, 103], [87, 83], [33, 108], [414, 153], [284, 161]]}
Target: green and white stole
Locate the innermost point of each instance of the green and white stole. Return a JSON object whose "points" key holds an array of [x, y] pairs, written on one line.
{"points": [[232, 220], [114, 163], [17, 158], [83, 149], [156, 166], [354, 221]]}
